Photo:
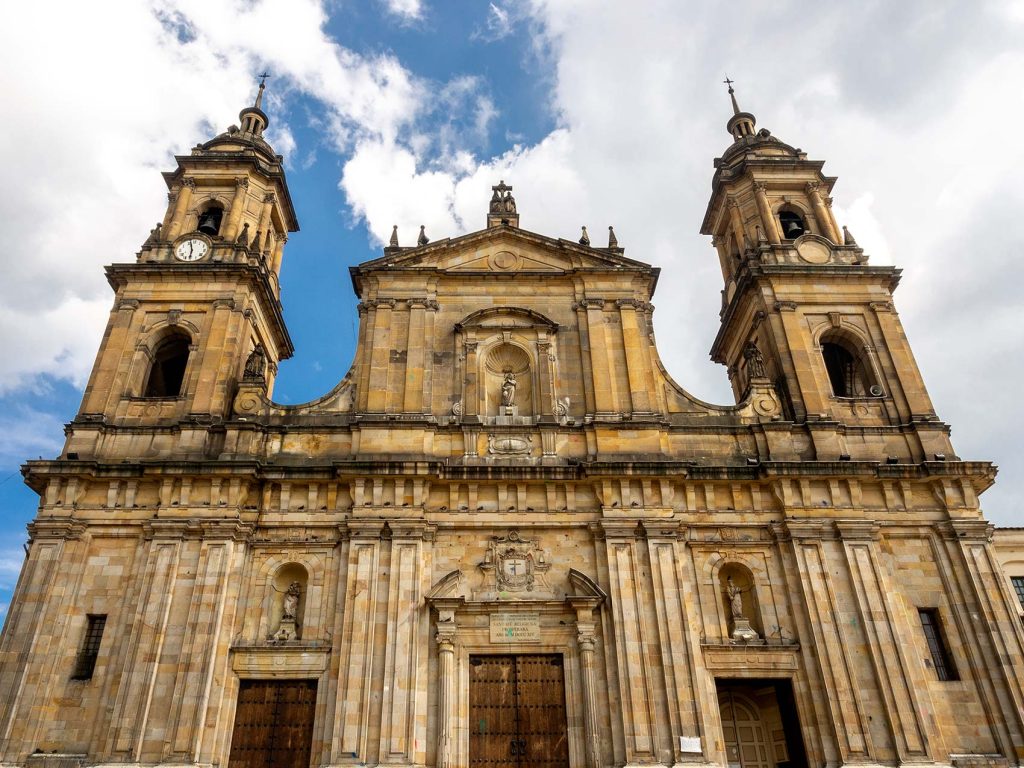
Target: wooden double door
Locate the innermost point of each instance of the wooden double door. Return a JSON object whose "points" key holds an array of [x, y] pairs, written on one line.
{"points": [[517, 712], [273, 724]]}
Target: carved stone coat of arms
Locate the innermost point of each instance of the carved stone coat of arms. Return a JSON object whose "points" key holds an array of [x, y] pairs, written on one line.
{"points": [[516, 564]]}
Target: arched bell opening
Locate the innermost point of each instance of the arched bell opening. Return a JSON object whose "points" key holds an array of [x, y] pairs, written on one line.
{"points": [[791, 222], [742, 609], [166, 375], [849, 374], [288, 603], [210, 219]]}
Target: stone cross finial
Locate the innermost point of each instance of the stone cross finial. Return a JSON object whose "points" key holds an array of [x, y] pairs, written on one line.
{"points": [[502, 208]]}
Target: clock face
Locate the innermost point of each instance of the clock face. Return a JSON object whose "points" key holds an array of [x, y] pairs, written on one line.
{"points": [[191, 250]]}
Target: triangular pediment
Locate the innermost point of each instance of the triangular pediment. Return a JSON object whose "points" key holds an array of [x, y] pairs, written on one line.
{"points": [[504, 250]]}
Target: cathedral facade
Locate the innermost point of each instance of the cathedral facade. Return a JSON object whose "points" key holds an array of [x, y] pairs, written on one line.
{"points": [[508, 538]]}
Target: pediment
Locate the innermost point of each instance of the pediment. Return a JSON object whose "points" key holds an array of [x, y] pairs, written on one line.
{"points": [[505, 250]]}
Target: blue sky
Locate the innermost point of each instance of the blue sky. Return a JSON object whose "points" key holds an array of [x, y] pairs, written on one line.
{"points": [[406, 111]]}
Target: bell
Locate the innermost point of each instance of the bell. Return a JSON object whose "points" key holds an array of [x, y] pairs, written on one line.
{"points": [[793, 230], [209, 222]]}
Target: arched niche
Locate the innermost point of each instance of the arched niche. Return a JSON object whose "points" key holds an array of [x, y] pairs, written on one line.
{"points": [[508, 380], [287, 609], [501, 342], [738, 589]]}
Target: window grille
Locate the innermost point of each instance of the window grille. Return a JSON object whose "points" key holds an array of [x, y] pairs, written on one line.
{"points": [[90, 650], [941, 658]]}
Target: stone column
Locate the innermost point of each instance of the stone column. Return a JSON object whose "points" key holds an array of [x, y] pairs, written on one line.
{"points": [[636, 369], [188, 186], [737, 224], [275, 267], [632, 638], [771, 228], [885, 625], [380, 356], [604, 392], [843, 695], [471, 408], [546, 409], [822, 214], [446, 704], [264, 223], [237, 206], [587, 644], [414, 364]]}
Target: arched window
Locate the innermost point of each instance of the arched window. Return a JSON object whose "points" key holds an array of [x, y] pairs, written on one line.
{"points": [[846, 370], [791, 223], [167, 373], [209, 220]]}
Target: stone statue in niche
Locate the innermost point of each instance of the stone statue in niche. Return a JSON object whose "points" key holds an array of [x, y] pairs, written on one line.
{"points": [[256, 363], [735, 595], [291, 601], [288, 628], [755, 360], [742, 631], [508, 390]]}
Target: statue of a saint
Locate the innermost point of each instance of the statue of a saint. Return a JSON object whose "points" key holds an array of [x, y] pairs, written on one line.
{"points": [[291, 601], [735, 595], [508, 389], [755, 360], [256, 363]]}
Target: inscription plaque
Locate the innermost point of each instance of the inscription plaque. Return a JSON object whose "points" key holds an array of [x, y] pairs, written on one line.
{"points": [[515, 627]]}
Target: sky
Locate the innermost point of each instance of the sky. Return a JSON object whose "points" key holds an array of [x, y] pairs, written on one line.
{"points": [[598, 113]]}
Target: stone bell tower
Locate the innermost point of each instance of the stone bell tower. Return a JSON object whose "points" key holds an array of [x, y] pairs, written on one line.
{"points": [[803, 308], [201, 298]]}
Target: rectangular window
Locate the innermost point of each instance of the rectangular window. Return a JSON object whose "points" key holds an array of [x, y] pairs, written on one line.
{"points": [[941, 658], [90, 650], [1018, 587]]}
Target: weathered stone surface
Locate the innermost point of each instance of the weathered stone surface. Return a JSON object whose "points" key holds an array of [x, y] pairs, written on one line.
{"points": [[507, 454]]}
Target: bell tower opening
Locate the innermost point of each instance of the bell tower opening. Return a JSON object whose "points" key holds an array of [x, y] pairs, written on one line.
{"points": [[210, 220], [846, 371], [167, 372], [791, 223]]}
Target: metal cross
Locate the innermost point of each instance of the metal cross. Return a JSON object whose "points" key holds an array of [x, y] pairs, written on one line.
{"points": [[263, 78], [728, 82]]}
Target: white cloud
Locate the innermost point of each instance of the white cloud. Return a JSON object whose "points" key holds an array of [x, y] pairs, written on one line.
{"points": [[94, 120], [908, 103], [27, 432], [407, 10], [911, 131], [499, 23]]}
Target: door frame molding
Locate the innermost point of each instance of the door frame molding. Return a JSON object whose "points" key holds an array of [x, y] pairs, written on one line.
{"points": [[568, 627]]}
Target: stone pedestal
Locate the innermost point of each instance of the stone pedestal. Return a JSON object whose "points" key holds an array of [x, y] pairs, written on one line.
{"points": [[286, 631], [742, 632]]}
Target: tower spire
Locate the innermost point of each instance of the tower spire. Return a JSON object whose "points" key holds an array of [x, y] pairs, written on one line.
{"points": [[741, 124], [253, 119]]}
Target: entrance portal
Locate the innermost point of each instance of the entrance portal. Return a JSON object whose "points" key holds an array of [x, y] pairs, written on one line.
{"points": [[273, 724], [760, 724], [517, 712]]}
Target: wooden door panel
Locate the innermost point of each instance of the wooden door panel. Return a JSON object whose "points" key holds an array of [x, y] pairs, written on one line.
{"points": [[492, 706], [273, 724], [517, 712], [542, 720], [293, 724]]}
